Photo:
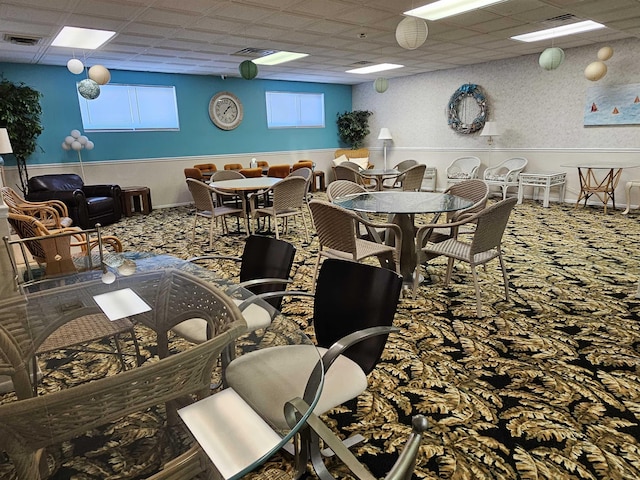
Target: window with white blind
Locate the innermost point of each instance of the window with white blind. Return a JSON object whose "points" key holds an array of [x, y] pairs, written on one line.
{"points": [[295, 110]]}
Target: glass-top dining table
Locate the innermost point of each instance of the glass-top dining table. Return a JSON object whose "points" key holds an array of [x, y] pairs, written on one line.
{"points": [[157, 292], [402, 207]]}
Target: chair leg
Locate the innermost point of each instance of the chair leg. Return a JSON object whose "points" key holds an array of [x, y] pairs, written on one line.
{"points": [[315, 273], [447, 278], [276, 227], [304, 222], [504, 276], [474, 273]]}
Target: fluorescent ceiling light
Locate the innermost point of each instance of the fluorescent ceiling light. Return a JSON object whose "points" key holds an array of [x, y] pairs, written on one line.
{"points": [[548, 33], [85, 38], [279, 57], [381, 67], [448, 8]]}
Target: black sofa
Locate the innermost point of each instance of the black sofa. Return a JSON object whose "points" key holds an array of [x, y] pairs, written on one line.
{"points": [[87, 204]]}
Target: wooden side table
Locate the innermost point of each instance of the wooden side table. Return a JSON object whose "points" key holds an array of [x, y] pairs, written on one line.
{"points": [[136, 199], [544, 180]]}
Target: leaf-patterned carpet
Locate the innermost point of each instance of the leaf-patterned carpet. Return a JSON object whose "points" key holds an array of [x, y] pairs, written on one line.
{"points": [[545, 386]]}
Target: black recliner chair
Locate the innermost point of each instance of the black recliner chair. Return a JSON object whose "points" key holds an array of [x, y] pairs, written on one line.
{"points": [[87, 204]]}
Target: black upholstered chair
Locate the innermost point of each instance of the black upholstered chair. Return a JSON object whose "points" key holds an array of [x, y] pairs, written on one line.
{"points": [[87, 204]]}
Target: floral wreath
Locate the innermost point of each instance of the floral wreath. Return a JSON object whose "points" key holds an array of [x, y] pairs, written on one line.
{"points": [[467, 90]]}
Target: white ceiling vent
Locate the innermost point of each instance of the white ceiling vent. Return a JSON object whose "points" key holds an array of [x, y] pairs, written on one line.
{"points": [[24, 40]]}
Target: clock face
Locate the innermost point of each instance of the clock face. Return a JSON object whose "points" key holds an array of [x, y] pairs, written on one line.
{"points": [[225, 110]]}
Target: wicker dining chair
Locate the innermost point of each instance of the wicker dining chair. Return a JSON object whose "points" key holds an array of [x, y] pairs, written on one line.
{"points": [[338, 237], [203, 198], [194, 172], [51, 213], [484, 245], [28, 426], [287, 199]]}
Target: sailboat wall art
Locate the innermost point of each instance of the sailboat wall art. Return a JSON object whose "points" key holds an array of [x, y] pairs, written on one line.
{"points": [[612, 105]]}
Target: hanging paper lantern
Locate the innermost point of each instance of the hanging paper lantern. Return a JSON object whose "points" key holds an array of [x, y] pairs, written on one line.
{"points": [[75, 66], [411, 32], [248, 70], [381, 84], [551, 58], [605, 53], [595, 71], [99, 74], [89, 89]]}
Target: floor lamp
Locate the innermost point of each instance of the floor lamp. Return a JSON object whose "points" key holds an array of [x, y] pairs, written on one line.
{"points": [[5, 147], [385, 135]]}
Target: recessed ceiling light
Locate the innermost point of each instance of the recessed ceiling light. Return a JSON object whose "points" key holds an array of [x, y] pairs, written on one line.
{"points": [[279, 57], [84, 38], [381, 67], [448, 8], [548, 33]]}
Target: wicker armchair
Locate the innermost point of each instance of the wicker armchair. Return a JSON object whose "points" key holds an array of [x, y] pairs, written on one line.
{"points": [[51, 213], [338, 237], [506, 174], [463, 168]]}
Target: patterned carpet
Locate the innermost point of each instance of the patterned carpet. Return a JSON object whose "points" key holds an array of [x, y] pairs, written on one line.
{"points": [[545, 386]]}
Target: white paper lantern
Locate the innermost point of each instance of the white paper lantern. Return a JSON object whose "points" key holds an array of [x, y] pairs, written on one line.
{"points": [[89, 145], [595, 71], [605, 53], [76, 145], [411, 32], [99, 74], [551, 58], [66, 146], [381, 84], [108, 277], [75, 66]]}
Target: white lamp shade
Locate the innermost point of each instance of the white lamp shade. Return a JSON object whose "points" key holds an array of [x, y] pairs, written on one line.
{"points": [[385, 134], [490, 130], [5, 144], [411, 32]]}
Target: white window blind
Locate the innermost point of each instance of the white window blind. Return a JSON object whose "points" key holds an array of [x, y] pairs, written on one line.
{"points": [[295, 110], [130, 107]]}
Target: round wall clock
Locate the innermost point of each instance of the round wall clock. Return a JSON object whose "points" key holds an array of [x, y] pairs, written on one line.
{"points": [[225, 110]]}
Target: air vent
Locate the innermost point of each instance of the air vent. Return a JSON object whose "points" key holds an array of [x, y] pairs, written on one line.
{"points": [[21, 39], [362, 62], [567, 17], [253, 52]]}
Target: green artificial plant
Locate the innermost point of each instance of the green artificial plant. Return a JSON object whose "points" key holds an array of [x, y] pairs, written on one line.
{"points": [[20, 112], [353, 127]]}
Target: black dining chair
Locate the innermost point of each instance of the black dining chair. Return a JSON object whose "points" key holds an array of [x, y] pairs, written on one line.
{"points": [[265, 267], [353, 310]]}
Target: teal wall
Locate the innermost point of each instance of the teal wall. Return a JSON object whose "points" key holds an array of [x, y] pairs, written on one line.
{"points": [[197, 135]]}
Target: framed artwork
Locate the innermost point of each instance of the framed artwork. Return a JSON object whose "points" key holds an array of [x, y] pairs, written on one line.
{"points": [[613, 105]]}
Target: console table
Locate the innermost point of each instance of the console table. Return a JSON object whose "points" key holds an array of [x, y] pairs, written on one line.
{"points": [[544, 180]]}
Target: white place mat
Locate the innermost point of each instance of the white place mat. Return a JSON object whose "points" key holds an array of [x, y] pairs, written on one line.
{"points": [[121, 303]]}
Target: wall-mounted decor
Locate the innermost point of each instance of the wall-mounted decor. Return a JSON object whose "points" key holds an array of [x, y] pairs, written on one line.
{"points": [[613, 105], [467, 109]]}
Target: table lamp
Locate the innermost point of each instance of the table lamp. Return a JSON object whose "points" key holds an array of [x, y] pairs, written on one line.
{"points": [[385, 135], [490, 130]]}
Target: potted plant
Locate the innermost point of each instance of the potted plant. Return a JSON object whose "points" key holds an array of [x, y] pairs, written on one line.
{"points": [[20, 113], [353, 127]]}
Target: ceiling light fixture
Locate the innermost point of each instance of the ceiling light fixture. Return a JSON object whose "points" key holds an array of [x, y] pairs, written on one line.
{"points": [[562, 31], [448, 8], [381, 67], [84, 38], [279, 57]]}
